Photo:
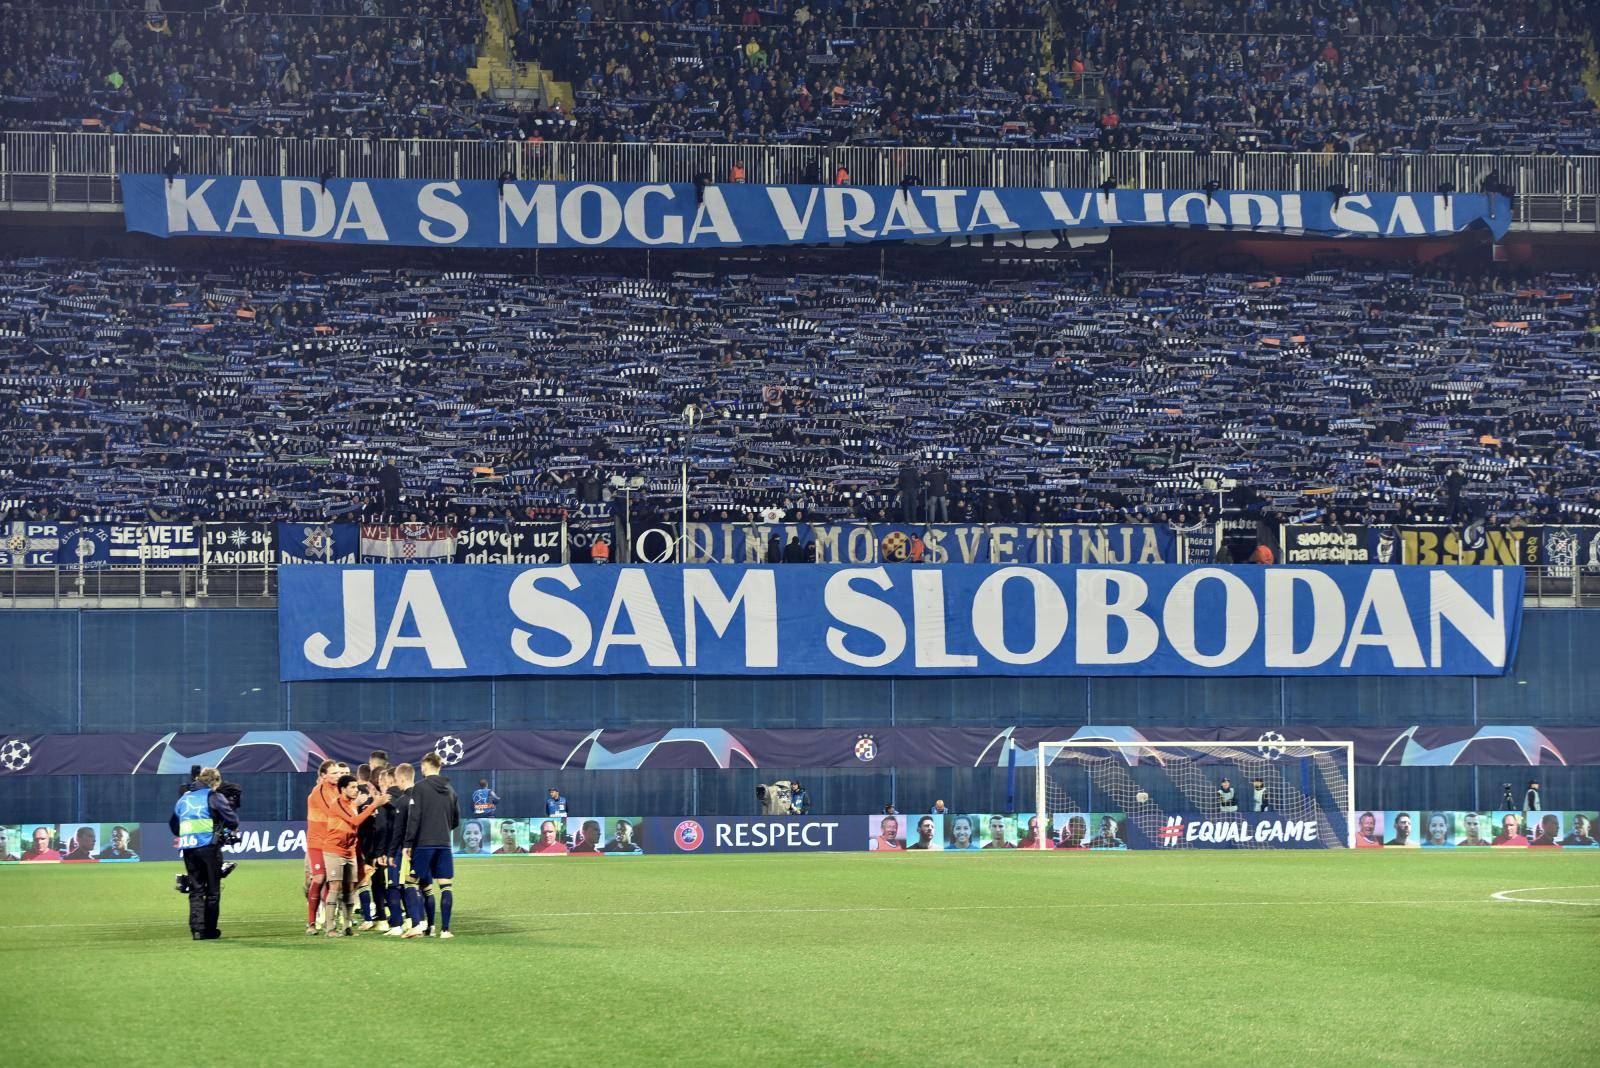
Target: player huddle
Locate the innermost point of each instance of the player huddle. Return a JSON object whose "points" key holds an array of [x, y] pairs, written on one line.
{"points": [[380, 838]]}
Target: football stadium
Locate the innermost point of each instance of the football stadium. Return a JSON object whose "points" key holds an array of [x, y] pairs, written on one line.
{"points": [[809, 531]]}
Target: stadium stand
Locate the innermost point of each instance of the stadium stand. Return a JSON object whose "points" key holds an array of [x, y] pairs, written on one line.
{"points": [[1300, 75], [141, 390]]}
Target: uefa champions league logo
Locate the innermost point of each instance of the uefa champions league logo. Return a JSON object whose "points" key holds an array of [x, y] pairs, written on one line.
{"points": [[450, 749], [15, 754], [1270, 745]]}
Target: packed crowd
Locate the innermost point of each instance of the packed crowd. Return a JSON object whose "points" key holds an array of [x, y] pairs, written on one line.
{"points": [[1315, 75], [217, 71], [132, 390]]}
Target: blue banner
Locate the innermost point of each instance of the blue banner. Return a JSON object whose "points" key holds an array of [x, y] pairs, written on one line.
{"points": [[318, 543], [486, 214], [972, 619]]}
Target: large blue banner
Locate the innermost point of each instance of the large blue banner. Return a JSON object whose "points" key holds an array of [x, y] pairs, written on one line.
{"points": [[485, 214], [972, 619]]}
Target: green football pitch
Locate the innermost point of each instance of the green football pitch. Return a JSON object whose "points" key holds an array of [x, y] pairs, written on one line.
{"points": [[1243, 958]]}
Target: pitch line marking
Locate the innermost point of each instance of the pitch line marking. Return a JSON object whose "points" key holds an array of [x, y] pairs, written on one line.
{"points": [[1505, 895], [275, 919]]}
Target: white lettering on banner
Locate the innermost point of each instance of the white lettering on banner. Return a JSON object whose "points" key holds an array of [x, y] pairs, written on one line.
{"points": [[1095, 609], [865, 612], [1327, 618], [1253, 210], [186, 206], [944, 208], [1241, 617], [649, 634], [610, 213], [360, 625], [847, 210], [789, 833], [293, 192], [533, 606], [904, 216], [251, 207], [633, 217], [714, 217], [1406, 218], [1210, 207], [1306, 619], [1240, 832], [1049, 615], [928, 609], [988, 211], [435, 207], [1061, 211], [1484, 628], [360, 213], [541, 205], [1346, 217], [419, 598], [793, 223], [1382, 598], [756, 595]]}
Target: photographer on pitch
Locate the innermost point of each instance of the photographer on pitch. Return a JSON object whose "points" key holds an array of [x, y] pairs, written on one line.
{"points": [[201, 820]]}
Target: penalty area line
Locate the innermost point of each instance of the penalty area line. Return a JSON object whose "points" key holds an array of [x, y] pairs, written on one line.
{"points": [[1505, 895]]}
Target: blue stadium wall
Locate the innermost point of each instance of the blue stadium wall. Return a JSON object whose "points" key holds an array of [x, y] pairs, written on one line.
{"points": [[216, 670]]}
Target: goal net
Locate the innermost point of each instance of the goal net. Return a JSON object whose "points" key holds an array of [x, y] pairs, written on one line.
{"points": [[1172, 794]]}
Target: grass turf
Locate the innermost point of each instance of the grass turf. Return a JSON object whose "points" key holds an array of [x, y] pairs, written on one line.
{"points": [[1237, 958]]}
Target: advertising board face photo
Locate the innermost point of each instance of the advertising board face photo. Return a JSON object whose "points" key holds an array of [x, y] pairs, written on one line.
{"points": [[587, 835], [623, 836], [927, 832], [886, 834], [11, 846], [41, 844], [510, 836], [1509, 830], [1544, 830], [963, 832], [1369, 829], [549, 837], [1474, 829], [1438, 830], [473, 838], [1581, 828], [1404, 830], [1031, 834], [1071, 829], [1110, 830], [997, 831], [80, 843]]}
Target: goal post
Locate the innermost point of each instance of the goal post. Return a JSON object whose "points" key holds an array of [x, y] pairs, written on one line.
{"points": [[1168, 793]]}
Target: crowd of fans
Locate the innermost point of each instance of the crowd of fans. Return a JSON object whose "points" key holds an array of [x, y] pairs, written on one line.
{"points": [[138, 390], [340, 72], [1314, 75]]}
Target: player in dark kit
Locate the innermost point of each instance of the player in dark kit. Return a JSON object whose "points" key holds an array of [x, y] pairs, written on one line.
{"points": [[397, 787], [432, 813]]}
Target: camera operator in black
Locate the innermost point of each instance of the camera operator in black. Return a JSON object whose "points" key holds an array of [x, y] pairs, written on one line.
{"points": [[235, 795], [201, 820], [1227, 800]]}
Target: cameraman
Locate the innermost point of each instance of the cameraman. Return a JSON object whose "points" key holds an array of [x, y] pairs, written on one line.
{"points": [[199, 820]]}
